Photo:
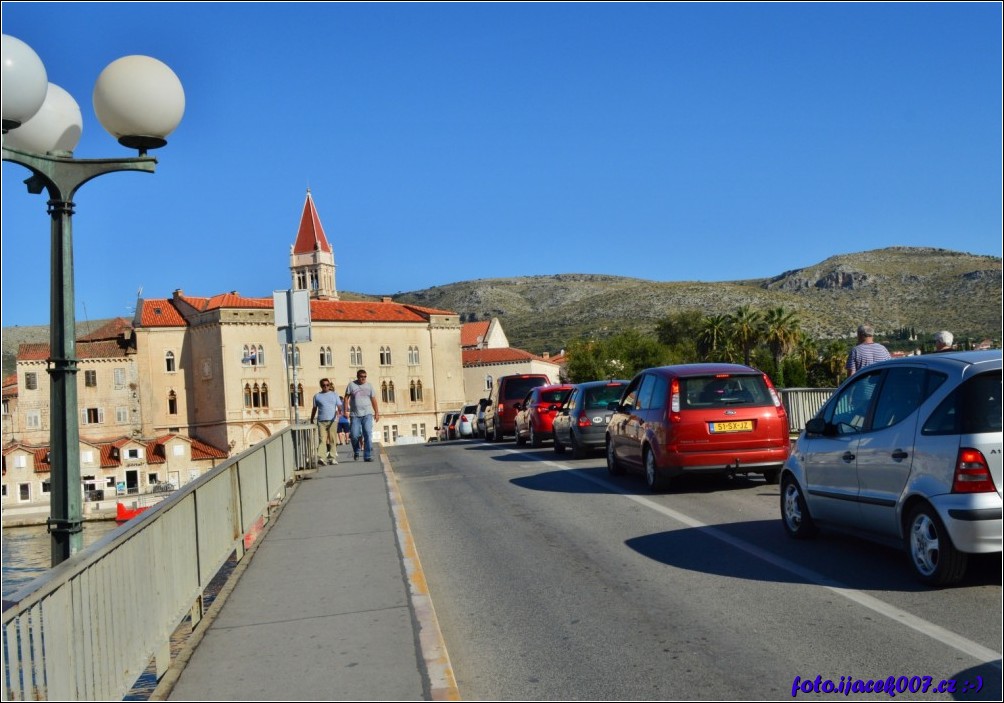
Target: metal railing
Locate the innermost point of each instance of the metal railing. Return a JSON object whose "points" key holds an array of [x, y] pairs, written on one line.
{"points": [[89, 628], [802, 404]]}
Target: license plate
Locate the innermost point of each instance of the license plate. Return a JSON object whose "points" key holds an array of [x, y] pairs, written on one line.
{"points": [[734, 426]]}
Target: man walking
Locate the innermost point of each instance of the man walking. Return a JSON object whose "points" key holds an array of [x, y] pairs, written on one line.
{"points": [[360, 399], [327, 407], [868, 351]]}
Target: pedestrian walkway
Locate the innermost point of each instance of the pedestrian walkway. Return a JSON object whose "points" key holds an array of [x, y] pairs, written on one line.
{"points": [[329, 607]]}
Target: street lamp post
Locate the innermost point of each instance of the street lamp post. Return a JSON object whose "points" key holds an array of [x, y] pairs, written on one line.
{"points": [[138, 100]]}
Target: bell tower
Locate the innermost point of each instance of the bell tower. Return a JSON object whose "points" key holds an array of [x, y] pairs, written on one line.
{"points": [[311, 261]]}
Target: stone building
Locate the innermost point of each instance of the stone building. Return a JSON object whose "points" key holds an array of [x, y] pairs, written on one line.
{"points": [[191, 380]]}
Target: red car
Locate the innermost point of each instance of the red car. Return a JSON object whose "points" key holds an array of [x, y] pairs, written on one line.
{"points": [[701, 419], [535, 415]]}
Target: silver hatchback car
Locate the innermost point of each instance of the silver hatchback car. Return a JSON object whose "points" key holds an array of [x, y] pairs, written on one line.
{"points": [[907, 450]]}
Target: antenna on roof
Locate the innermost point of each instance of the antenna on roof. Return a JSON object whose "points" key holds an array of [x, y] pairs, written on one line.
{"points": [[87, 322]]}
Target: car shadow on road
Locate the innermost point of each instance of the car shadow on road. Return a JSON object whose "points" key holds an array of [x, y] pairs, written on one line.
{"points": [[598, 480], [760, 550]]}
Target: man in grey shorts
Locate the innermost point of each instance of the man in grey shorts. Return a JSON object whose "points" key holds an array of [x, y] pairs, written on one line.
{"points": [[327, 407]]}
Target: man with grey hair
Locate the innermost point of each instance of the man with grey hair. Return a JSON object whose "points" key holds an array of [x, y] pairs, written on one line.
{"points": [[943, 341], [868, 351]]}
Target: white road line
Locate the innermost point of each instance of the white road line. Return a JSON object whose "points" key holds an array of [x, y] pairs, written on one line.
{"points": [[936, 632]]}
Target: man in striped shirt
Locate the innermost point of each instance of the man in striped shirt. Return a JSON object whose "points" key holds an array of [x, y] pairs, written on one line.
{"points": [[868, 351]]}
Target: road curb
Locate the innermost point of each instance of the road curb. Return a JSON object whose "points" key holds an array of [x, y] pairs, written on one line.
{"points": [[442, 683]]}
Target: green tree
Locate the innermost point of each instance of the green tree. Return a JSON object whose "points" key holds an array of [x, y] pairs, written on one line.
{"points": [[679, 332], [631, 351], [587, 360], [746, 330], [780, 332], [713, 337]]}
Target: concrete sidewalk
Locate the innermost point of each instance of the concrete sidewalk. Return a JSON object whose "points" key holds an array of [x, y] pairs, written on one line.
{"points": [[331, 605]]}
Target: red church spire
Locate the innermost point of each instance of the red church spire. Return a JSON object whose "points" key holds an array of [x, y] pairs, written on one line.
{"points": [[310, 236]]}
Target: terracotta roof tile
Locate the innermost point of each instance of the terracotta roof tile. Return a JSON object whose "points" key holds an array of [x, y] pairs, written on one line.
{"points": [[113, 329], [473, 333], [474, 357], [160, 312], [362, 311]]}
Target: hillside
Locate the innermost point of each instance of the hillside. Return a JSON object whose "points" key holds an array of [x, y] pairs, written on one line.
{"points": [[927, 289]]}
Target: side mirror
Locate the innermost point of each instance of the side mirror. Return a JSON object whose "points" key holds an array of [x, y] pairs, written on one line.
{"points": [[816, 425]]}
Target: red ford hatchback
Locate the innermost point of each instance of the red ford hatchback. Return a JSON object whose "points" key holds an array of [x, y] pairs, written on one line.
{"points": [[701, 419], [535, 415]]}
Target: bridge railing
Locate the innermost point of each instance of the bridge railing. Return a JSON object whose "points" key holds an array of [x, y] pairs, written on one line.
{"points": [[89, 628], [802, 404]]}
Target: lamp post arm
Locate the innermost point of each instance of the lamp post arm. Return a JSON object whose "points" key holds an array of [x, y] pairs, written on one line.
{"points": [[62, 176]]}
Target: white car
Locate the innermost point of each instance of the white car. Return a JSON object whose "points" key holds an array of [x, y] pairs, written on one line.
{"points": [[467, 421], [907, 450]]}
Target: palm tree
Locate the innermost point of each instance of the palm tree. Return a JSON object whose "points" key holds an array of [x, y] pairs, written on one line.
{"points": [[713, 336], [746, 330], [781, 330]]}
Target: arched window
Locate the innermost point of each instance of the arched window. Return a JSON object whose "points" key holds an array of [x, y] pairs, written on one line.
{"points": [[383, 391], [292, 395], [418, 387], [264, 395], [321, 356], [390, 392], [385, 356], [172, 403], [488, 382], [299, 394], [356, 356], [412, 392], [261, 355], [247, 395], [289, 355], [245, 355], [326, 351], [169, 362], [413, 356], [256, 396], [296, 355]]}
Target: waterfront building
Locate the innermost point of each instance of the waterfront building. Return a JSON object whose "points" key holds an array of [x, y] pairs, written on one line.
{"points": [[192, 379]]}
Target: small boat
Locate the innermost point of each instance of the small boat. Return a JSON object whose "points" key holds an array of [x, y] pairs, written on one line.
{"points": [[126, 511]]}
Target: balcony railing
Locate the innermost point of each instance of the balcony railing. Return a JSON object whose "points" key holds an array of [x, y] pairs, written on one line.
{"points": [[88, 628]]}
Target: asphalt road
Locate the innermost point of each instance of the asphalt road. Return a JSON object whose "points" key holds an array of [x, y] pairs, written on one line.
{"points": [[553, 580]]}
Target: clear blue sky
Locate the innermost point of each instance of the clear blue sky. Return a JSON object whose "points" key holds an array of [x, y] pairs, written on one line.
{"points": [[451, 142]]}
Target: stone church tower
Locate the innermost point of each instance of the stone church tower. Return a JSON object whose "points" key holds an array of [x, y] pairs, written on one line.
{"points": [[311, 260]]}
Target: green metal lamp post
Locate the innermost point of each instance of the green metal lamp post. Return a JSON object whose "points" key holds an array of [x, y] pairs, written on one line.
{"points": [[139, 101]]}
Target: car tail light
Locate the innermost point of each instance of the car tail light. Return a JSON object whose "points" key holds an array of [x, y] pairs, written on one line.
{"points": [[501, 408], [972, 475], [584, 421], [463, 418], [674, 400], [775, 398]]}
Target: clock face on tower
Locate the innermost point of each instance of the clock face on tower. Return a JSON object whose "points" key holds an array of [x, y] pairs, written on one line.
{"points": [[207, 368]]}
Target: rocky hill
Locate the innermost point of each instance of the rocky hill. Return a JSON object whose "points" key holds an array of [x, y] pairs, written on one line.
{"points": [[927, 289]]}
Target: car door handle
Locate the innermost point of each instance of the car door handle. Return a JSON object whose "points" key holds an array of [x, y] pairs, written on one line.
{"points": [[899, 455], [848, 457]]}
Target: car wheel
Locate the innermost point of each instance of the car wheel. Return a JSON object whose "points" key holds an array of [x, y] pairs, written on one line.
{"points": [[577, 451], [654, 480], [613, 466], [794, 513], [935, 559], [771, 477], [496, 431], [559, 448], [535, 440]]}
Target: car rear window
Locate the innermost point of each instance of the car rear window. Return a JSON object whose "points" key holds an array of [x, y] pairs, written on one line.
{"points": [[723, 390], [517, 388], [604, 395], [556, 396], [972, 408]]}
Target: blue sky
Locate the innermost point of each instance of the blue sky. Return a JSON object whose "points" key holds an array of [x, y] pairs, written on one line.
{"points": [[452, 142]]}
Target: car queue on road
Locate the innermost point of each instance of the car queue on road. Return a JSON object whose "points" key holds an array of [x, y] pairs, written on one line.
{"points": [[907, 451]]}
